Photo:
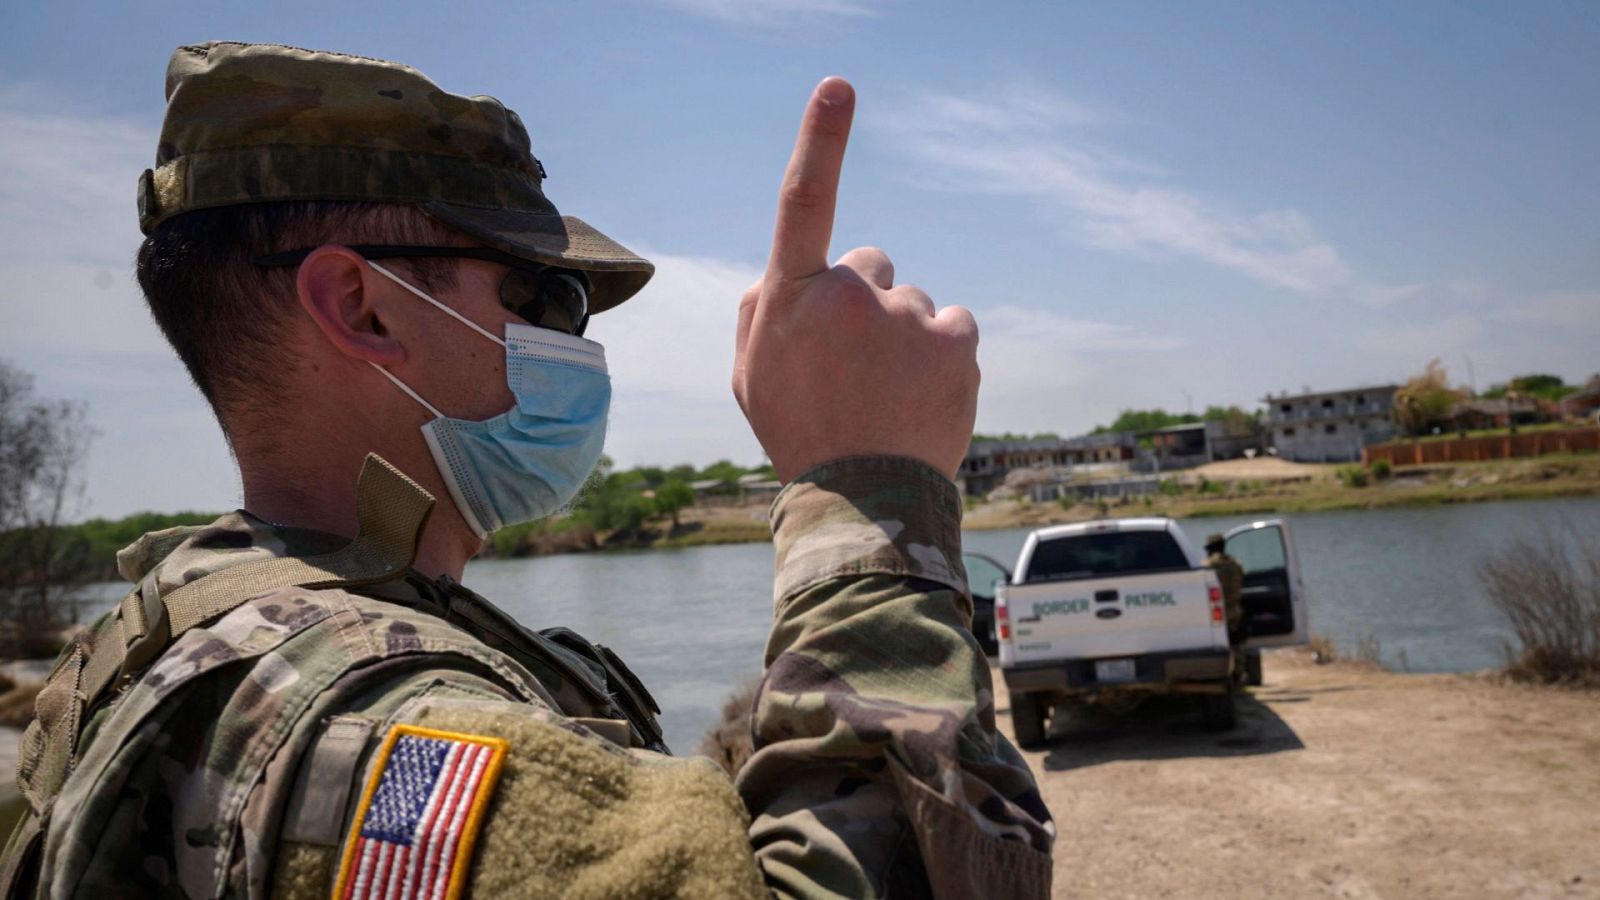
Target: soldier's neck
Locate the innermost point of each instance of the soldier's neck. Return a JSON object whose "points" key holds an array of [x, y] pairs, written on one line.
{"points": [[299, 499]]}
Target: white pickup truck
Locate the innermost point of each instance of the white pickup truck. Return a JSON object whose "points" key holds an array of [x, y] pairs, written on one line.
{"points": [[1103, 611]]}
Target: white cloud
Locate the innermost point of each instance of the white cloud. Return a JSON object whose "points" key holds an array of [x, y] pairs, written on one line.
{"points": [[767, 13], [74, 317], [1572, 309], [1554, 333], [1024, 140], [670, 350], [1045, 370]]}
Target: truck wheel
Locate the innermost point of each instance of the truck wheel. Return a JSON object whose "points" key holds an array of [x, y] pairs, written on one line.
{"points": [[1252, 668], [1217, 712], [1027, 719]]}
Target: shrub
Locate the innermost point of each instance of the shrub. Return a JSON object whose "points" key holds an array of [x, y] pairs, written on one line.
{"points": [[729, 743], [1207, 486], [16, 705], [1171, 487], [1548, 587], [1369, 649], [1353, 476], [1323, 650], [1381, 469]]}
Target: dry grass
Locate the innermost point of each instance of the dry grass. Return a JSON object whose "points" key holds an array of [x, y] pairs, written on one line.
{"points": [[1548, 586], [16, 705], [729, 743], [1323, 649]]}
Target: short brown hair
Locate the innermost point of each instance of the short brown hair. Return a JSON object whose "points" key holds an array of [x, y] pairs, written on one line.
{"points": [[223, 314]]}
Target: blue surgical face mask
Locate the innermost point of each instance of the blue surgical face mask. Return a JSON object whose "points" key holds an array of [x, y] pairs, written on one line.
{"points": [[528, 462]]}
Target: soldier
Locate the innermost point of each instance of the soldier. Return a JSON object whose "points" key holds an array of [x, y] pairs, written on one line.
{"points": [[1231, 575], [362, 272]]}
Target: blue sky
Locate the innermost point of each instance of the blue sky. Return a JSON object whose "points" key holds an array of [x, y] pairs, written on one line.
{"points": [[1142, 203]]}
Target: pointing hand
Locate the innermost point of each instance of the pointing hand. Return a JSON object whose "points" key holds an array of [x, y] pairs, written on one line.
{"points": [[836, 361]]}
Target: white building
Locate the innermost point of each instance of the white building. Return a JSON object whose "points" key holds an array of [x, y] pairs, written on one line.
{"points": [[1330, 426]]}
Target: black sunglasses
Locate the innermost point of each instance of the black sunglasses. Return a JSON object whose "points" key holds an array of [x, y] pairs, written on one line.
{"points": [[546, 296]]}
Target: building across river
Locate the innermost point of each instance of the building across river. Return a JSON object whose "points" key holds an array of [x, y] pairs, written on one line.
{"points": [[1330, 426]]}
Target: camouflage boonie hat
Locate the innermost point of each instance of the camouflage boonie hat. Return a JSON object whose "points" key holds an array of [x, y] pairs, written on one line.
{"points": [[258, 123]]}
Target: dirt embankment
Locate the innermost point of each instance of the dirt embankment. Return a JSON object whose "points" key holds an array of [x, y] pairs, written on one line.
{"points": [[1339, 781]]}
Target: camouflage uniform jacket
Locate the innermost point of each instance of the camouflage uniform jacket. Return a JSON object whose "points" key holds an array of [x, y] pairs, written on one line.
{"points": [[225, 769], [1231, 576]]}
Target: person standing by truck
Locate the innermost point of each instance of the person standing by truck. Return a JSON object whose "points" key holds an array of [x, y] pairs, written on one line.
{"points": [[1231, 576]]}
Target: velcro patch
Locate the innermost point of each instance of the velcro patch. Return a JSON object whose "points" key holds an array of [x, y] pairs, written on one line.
{"points": [[420, 811]]}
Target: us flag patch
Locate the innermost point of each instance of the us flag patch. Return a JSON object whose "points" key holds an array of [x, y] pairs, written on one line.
{"points": [[413, 833]]}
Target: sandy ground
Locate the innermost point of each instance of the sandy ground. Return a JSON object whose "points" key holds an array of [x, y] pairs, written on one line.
{"points": [[1339, 781], [1262, 468]]}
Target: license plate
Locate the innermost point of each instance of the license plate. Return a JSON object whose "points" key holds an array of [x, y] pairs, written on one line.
{"points": [[1111, 671]]}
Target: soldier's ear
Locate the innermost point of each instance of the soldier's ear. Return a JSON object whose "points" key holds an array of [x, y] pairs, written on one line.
{"points": [[339, 291]]}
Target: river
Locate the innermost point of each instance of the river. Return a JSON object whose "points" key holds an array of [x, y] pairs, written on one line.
{"points": [[692, 623]]}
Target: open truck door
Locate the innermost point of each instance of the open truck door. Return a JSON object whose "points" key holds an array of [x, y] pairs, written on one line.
{"points": [[1273, 597]]}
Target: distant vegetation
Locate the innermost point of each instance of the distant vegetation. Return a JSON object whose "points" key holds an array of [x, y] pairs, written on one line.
{"points": [[613, 503], [616, 505], [1013, 436], [1541, 386], [1145, 420], [1426, 401]]}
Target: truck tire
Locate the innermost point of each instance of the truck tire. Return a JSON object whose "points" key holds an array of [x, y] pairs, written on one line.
{"points": [[1217, 712], [1027, 719], [1252, 668]]}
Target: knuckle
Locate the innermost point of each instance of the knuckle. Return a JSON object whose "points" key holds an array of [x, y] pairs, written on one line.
{"points": [[872, 255], [851, 289], [913, 293], [803, 194]]}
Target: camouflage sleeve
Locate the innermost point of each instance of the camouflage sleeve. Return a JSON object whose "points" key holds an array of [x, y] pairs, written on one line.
{"points": [[878, 770]]}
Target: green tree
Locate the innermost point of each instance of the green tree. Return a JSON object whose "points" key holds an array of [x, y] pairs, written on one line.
{"points": [[1540, 385], [722, 470], [1016, 436], [1145, 420], [672, 496], [1235, 420], [1426, 400], [42, 448]]}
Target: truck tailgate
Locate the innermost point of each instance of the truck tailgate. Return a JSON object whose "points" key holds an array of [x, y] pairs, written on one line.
{"points": [[1102, 617]]}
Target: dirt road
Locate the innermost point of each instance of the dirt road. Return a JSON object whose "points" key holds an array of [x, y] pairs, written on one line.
{"points": [[1340, 781]]}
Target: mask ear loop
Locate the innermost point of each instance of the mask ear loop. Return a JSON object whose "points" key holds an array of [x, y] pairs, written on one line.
{"points": [[445, 309], [409, 392]]}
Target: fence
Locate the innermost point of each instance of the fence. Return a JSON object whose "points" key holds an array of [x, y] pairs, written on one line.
{"points": [[1479, 449]]}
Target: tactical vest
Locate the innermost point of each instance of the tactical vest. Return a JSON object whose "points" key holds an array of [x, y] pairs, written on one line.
{"points": [[91, 673]]}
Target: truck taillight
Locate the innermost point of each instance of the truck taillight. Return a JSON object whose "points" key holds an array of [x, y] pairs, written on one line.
{"points": [[1214, 594], [1002, 620], [1005, 631]]}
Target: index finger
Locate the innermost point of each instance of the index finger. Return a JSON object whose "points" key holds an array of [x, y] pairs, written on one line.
{"points": [[811, 183]]}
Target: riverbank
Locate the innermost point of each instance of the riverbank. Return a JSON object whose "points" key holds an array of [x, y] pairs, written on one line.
{"points": [[1232, 488], [1226, 489], [1341, 780]]}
